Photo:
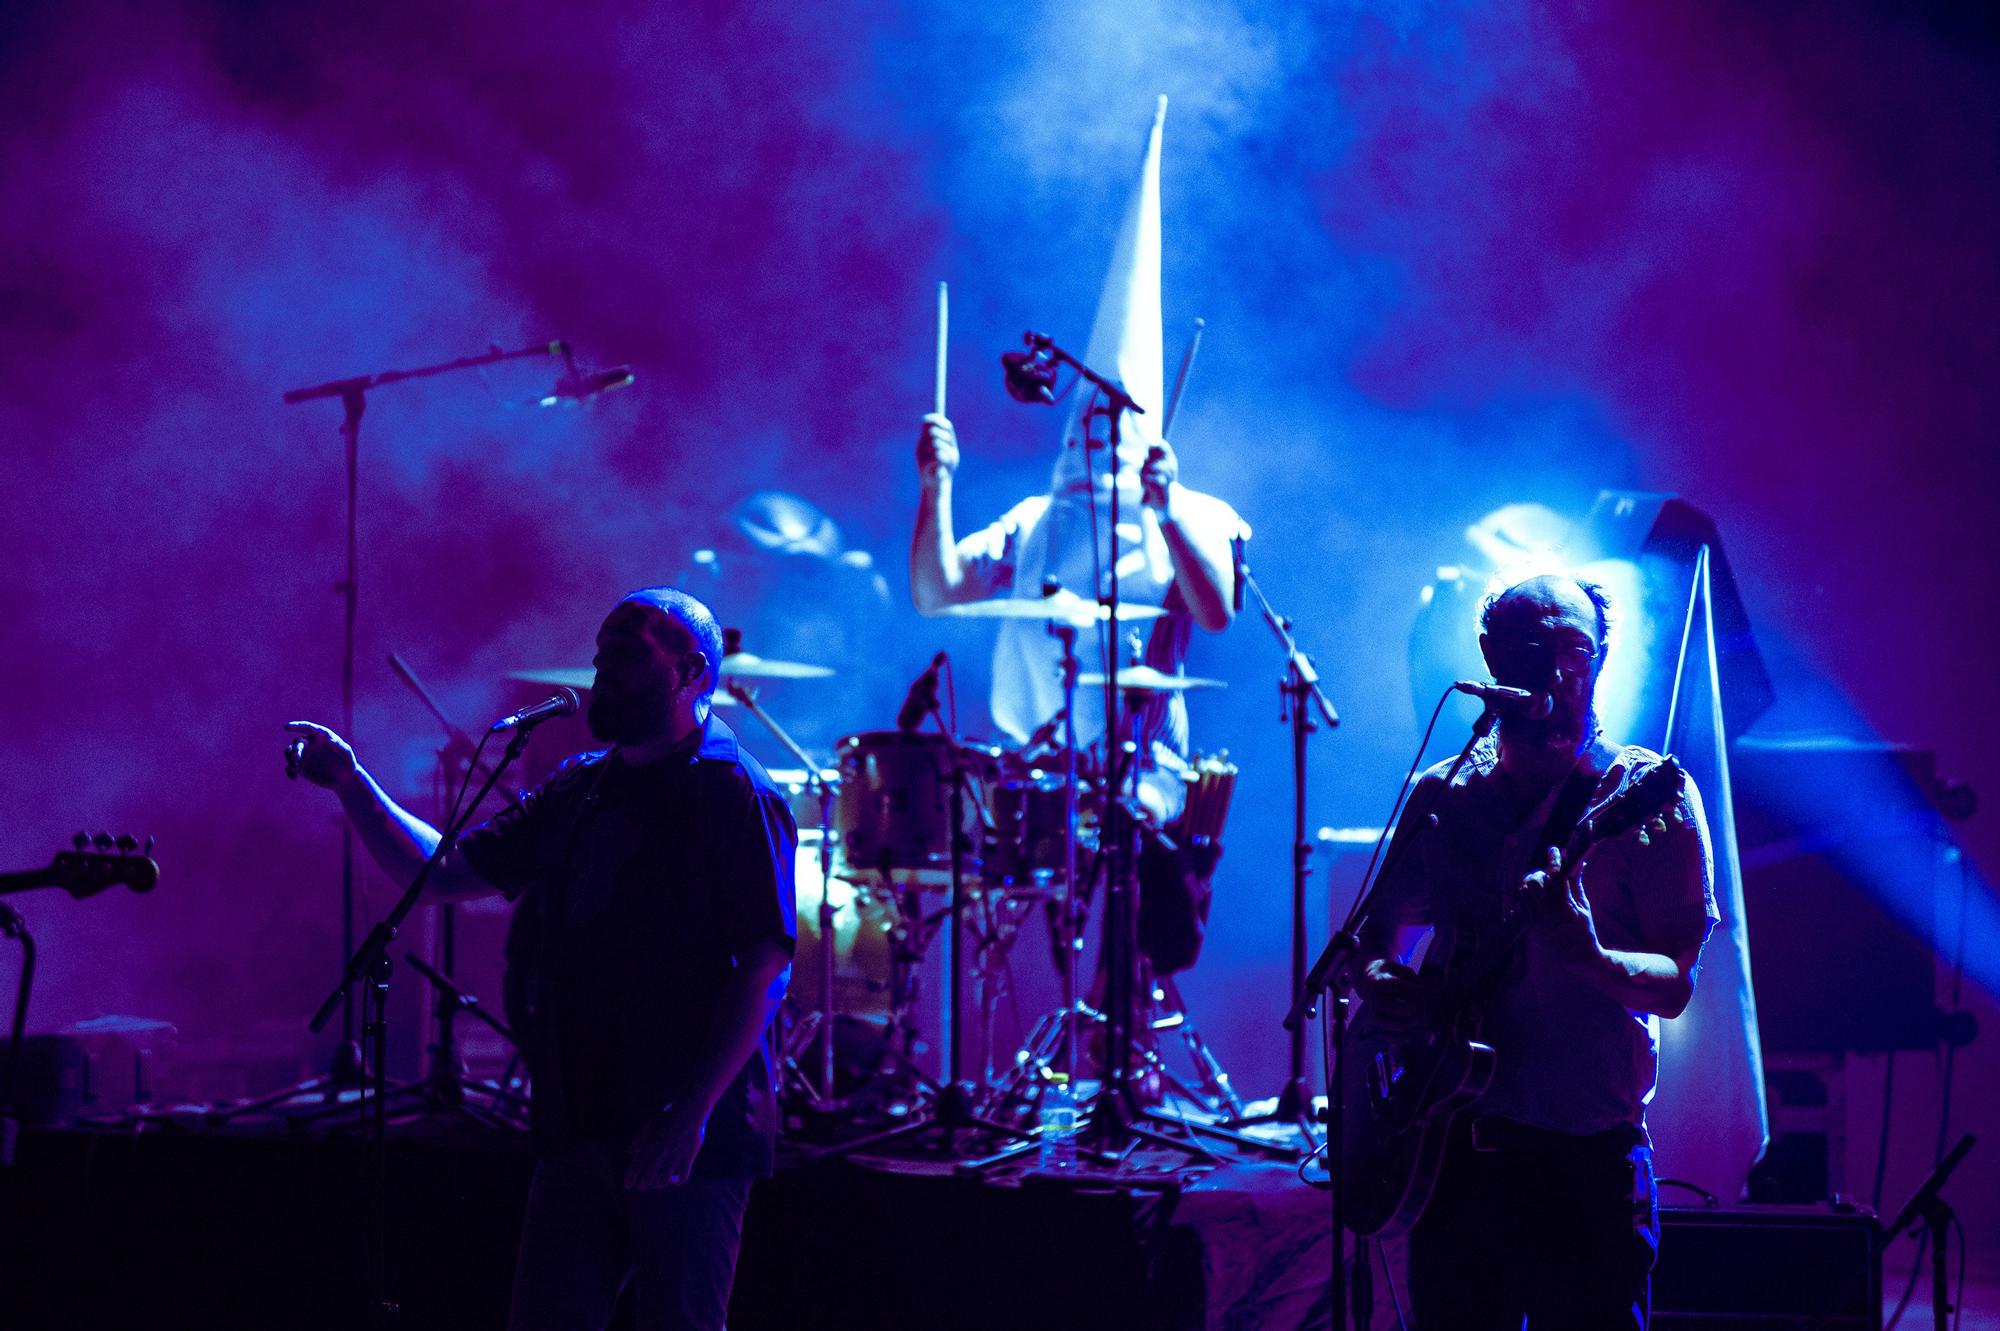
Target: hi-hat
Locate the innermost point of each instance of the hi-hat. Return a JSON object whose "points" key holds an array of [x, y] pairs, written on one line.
{"points": [[1145, 679], [1062, 607], [583, 678]]}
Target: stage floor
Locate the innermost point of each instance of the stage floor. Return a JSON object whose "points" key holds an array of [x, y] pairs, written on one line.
{"points": [[256, 1228]]}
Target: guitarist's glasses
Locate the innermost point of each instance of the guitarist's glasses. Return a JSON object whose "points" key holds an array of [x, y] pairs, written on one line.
{"points": [[1540, 660]]}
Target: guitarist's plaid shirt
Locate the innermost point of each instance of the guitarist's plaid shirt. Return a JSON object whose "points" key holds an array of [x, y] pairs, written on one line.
{"points": [[1569, 1058]]}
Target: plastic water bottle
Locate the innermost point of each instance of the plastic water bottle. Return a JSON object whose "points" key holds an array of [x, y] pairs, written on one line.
{"points": [[1057, 1124]]}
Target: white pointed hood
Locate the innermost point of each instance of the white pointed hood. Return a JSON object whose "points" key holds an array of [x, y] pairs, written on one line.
{"points": [[1126, 343]]}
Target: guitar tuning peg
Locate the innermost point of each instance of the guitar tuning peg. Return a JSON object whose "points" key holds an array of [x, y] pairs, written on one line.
{"points": [[126, 845], [80, 840], [149, 847], [103, 841]]}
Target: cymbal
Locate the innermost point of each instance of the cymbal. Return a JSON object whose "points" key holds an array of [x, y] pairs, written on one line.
{"points": [[1064, 607], [1145, 679], [573, 678], [748, 665]]}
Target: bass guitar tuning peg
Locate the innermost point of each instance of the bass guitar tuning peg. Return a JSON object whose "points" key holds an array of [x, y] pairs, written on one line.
{"points": [[149, 846], [80, 840], [103, 842], [126, 844]]}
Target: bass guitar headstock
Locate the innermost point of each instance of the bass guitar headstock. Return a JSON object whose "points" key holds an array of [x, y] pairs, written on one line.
{"points": [[100, 862]]}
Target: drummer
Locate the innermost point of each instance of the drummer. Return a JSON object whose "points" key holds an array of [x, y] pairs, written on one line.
{"points": [[1173, 549]]}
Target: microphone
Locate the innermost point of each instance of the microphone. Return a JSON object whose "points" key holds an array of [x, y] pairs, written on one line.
{"points": [[921, 698], [563, 704], [1533, 705], [583, 387], [1031, 377]]}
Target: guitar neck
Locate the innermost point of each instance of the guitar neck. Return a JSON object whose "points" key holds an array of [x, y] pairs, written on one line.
{"points": [[24, 879]]}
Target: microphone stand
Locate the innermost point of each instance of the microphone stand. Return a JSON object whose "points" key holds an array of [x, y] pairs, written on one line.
{"points": [[13, 926], [347, 1070], [1928, 1204], [1116, 1123], [1300, 684], [444, 1084], [1329, 976], [370, 963]]}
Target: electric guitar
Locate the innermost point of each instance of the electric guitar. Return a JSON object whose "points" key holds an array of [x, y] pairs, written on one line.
{"points": [[85, 872], [1404, 1092]]}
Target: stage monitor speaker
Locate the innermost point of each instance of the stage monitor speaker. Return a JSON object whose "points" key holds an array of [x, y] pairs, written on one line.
{"points": [[1839, 845], [1762, 1268]]}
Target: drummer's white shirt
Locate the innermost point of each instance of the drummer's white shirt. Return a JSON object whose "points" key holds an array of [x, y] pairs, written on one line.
{"points": [[1050, 535]]}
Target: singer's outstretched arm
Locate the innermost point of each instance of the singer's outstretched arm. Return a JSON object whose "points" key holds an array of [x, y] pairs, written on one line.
{"points": [[937, 578], [395, 838]]}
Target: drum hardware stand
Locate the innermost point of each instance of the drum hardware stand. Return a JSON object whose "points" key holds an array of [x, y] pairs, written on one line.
{"points": [[446, 1084], [371, 963], [1299, 686], [347, 1071], [952, 1109], [1216, 1093], [1054, 1037], [823, 789]]}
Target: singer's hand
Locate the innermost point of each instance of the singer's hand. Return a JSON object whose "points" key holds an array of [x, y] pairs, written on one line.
{"points": [[937, 450], [1158, 477], [664, 1152], [319, 755]]}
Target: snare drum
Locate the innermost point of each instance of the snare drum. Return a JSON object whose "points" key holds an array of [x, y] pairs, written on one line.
{"points": [[894, 807]]}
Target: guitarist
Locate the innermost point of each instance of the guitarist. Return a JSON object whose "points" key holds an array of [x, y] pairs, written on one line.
{"points": [[1545, 1205]]}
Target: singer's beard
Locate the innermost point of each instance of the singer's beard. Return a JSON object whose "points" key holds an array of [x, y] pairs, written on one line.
{"points": [[1566, 729], [627, 718]]}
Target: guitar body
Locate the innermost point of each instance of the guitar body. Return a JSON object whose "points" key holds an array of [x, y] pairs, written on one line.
{"points": [[1403, 1093]]}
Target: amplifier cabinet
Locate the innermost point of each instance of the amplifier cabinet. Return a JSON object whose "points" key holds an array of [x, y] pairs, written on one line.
{"points": [[1763, 1268]]}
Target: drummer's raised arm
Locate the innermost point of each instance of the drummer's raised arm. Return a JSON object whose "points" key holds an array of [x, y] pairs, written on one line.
{"points": [[937, 574]]}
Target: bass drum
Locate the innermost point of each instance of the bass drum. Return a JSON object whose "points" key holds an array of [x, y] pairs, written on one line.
{"points": [[863, 942], [894, 807]]}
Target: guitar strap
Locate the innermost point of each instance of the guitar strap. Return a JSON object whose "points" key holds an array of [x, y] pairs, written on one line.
{"points": [[1567, 813]]}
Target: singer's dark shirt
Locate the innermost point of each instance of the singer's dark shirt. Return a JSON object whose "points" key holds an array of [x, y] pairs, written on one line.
{"points": [[643, 886]]}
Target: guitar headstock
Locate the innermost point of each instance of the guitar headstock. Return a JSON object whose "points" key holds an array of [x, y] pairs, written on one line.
{"points": [[1635, 802], [101, 862]]}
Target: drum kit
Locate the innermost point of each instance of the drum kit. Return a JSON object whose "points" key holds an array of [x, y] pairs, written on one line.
{"points": [[919, 845]]}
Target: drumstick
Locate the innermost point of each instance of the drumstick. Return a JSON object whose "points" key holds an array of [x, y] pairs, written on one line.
{"points": [[943, 336], [1180, 380]]}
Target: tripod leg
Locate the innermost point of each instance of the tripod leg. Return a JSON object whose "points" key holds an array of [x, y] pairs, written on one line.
{"points": [[1214, 1079], [1222, 1134]]}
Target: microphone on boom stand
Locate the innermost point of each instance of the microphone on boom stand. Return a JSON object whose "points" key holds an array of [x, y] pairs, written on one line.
{"points": [[921, 698], [1031, 375], [1535, 704], [563, 704]]}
